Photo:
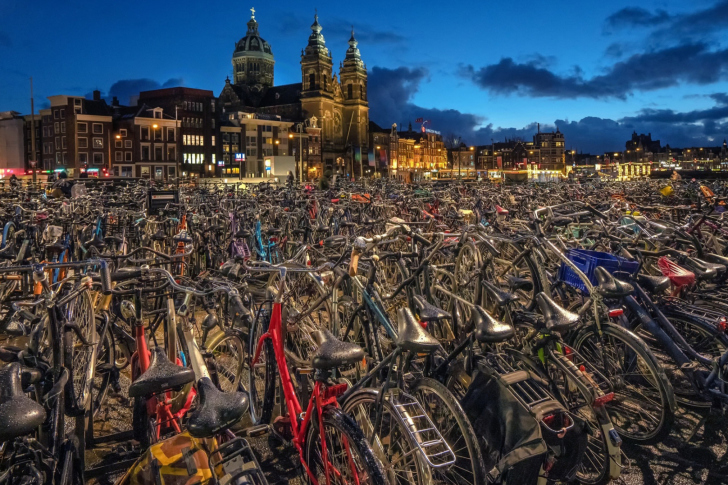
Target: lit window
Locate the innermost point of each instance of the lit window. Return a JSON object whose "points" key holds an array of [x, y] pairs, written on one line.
{"points": [[98, 143]]}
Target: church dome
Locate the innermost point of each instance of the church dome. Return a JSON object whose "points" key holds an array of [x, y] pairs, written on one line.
{"points": [[253, 45]]}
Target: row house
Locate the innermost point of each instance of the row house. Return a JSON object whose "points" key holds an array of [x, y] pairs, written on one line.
{"points": [[146, 143], [196, 111], [78, 133], [251, 142]]}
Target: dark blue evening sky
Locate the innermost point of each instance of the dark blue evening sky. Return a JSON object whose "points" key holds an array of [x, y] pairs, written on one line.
{"points": [[480, 69]]}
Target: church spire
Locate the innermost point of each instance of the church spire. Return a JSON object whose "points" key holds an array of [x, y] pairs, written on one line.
{"points": [[316, 42]]}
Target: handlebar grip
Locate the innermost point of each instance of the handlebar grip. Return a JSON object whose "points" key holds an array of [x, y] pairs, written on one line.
{"points": [[105, 278], [126, 275], [354, 263]]}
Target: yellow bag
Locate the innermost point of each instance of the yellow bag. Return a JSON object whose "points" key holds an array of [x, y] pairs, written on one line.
{"points": [[179, 460], [667, 191]]}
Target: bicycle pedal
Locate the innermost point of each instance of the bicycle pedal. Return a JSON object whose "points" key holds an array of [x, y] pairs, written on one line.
{"points": [[282, 428], [260, 430]]}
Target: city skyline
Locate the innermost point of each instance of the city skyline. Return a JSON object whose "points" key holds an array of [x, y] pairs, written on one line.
{"points": [[598, 73]]}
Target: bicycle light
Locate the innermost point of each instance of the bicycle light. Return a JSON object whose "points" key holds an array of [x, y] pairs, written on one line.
{"points": [[723, 325], [602, 400], [615, 312]]}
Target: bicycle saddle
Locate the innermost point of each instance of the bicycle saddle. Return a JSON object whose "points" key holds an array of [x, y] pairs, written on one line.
{"points": [[488, 329], [427, 311], [321, 228], [19, 414], [501, 297], [653, 284], [159, 236], [182, 237], [705, 271], [332, 352], [516, 283], [95, 242], [410, 334], [334, 241], [557, 318], [609, 286], [161, 376], [216, 411], [242, 234], [113, 239]]}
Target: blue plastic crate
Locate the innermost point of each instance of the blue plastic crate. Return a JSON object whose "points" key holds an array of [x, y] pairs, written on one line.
{"points": [[587, 262]]}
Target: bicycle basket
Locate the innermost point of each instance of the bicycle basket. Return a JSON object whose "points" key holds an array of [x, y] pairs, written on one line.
{"points": [[587, 261]]}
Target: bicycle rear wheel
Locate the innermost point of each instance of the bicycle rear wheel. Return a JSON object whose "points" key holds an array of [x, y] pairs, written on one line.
{"points": [[79, 359], [643, 408], [390, 440], [262, 375], [348, 452], [452, 422]]}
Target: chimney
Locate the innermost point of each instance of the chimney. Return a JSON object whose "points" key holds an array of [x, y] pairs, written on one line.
{"points": [[539, 127], [115, 101], [97, 95]]}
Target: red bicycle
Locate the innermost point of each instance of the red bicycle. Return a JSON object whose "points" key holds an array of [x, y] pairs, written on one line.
{"points": [[332, 448]]}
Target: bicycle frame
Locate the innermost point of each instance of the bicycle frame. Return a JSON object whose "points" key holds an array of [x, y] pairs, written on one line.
{"points": [[320, 397]]}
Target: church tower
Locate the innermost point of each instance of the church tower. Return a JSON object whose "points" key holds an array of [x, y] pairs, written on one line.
{"points": [[353, 76], [321, 92], [253, 59]]}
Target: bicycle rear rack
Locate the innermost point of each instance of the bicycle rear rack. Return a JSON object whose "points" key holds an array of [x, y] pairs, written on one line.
{"points": [[521, 382], [435, 450]]}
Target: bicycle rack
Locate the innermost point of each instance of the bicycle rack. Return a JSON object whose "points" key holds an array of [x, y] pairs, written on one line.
{"points": [[435, 450]]}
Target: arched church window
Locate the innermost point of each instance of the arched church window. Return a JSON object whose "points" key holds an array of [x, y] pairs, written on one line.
{"points": [[312, 81], [350, 90]]}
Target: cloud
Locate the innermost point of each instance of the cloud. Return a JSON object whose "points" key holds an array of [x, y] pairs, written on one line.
{"points": [[689, 63], [699, 24], [338, 28], [126, 88], [391, 92], [636, 17], [5, 40]]}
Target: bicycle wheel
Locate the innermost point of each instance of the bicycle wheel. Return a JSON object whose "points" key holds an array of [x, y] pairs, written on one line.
{"points": [[452, 422], [467, 272], [513, 271], [643, 408], [105, 365], [79, 359], [228, 352], [390, 441], [348, 453], [262, 375]]}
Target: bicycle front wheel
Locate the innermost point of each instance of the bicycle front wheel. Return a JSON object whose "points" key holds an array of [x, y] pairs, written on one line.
{"points": [[643, 408], [348, 454]]}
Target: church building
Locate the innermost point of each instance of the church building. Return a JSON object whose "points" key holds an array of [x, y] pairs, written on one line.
{"points": [[335, 104]]}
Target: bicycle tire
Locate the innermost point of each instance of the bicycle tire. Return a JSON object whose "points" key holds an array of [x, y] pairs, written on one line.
{"points": [[662, 389], [369, 468], [80, 360], [228, 350], [474, 459], [391, 442], [105, 361], [262, 376]]}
